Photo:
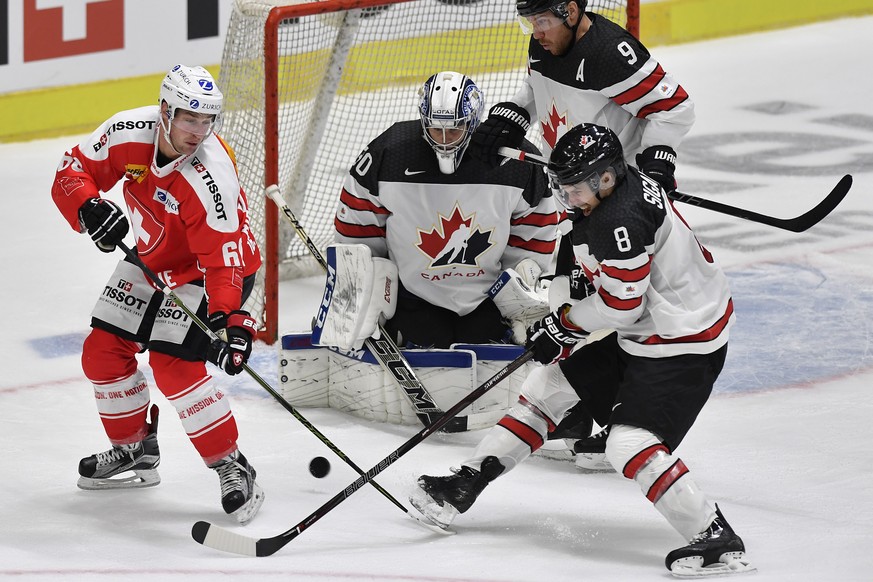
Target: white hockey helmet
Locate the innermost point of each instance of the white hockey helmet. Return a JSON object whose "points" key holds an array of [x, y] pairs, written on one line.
{"points": [[192, 89], [450, 107]]}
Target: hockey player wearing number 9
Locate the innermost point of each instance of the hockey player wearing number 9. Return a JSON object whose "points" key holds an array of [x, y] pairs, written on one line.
{"points": [[190, 225], [451, 224], [670, 305], [583, 68]]}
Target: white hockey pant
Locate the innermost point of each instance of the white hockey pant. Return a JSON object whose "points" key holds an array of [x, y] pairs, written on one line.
{"points": [[544, 398], [663, 478]]}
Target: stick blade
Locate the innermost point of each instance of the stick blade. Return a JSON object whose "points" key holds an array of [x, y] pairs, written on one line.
{"points": [[219, 538], [823, 208]]}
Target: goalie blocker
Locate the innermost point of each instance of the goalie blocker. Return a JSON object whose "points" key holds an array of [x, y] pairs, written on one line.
{"points": [[360, 294]]}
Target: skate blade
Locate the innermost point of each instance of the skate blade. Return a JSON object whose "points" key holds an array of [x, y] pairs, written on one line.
{"points": [[248, 511], [140, 479], [593, 463], [441, 516], [426, 522], [557, 450], [729, 563]]}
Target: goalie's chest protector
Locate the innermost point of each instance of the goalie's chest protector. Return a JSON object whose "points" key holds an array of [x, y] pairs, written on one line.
{"points": [[447, 233]]}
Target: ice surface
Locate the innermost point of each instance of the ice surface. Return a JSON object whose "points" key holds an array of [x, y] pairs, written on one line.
{"points": [[783, 446]]}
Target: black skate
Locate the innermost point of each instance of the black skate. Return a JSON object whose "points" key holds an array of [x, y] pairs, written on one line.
{"points": [[577, 424], [241, 496], [101, 471], [716, 551], [591, 453], [441, 498]]}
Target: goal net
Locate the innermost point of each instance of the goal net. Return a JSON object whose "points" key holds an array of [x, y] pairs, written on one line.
{"points": [[308, 85]]}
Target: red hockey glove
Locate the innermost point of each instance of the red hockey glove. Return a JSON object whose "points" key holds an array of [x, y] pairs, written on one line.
{"points": [[553, 338], [238, 328]]}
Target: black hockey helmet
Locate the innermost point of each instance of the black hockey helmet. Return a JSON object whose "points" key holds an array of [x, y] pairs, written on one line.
{"points": [[558, 7], [585, 150]]}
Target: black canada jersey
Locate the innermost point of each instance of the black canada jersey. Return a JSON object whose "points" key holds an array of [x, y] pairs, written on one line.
{"points": [[656, 284], [609, 78], [451, 235]]}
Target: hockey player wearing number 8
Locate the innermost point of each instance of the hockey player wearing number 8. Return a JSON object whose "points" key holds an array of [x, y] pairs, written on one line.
{"points": [[190, 224], [670, 305], [451, 224]]}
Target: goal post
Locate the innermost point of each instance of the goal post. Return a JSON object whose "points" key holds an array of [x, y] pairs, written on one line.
{"points": [[308, 85]]}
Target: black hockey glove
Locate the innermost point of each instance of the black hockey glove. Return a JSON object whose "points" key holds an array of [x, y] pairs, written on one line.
{"points": [[659, 163], [237, 328], [506, 126], [105, 222], [553, 338]]}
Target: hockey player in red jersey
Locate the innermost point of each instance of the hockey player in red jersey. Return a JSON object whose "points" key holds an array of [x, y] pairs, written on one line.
{"points": [[583, 68], [450, 223], [669, 302], [190, 225]]}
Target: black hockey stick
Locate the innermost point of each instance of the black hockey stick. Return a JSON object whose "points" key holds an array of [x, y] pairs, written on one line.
{"points": [[221, 539], [384, 349], [797, 224], [134, 258]]}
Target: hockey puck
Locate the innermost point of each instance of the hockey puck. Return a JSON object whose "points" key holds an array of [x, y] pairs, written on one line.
{"points": [[319, 467]]}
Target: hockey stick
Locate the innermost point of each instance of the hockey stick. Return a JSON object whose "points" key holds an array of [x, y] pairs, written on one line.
{"points": [[134, 258], [383, 348], [797, 224], [227, 541]]}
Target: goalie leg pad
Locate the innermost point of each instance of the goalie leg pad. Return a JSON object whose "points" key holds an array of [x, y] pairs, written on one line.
{"points": [[303, 372]]}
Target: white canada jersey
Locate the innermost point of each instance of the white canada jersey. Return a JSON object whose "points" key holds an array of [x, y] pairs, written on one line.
{"points": [[451, 235], [608, 78], [656, 284]]}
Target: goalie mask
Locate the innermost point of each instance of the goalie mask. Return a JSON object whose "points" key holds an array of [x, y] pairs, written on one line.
{"points": [[191, 89], [580, 160], [450, 107]]}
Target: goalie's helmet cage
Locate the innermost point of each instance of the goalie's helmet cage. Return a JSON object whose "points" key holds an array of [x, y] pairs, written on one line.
{"points": [[192, 89], [558, 7], [449, 102], [585, 150]]}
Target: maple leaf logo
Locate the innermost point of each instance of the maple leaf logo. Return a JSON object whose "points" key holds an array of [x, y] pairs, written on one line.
{"points": [[456, 241], [554, 126]]}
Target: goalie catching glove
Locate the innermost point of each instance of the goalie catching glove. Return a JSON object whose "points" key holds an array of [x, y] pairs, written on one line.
{"points": [[105, 222], [506, 126], [553, 338], [232, 352], [515, 293]]}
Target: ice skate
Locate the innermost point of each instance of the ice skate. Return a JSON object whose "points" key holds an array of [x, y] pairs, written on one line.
{"points": [[441, 499], [126, 466], [241, 496], [591, 453], [576, 425], [716, 551]]}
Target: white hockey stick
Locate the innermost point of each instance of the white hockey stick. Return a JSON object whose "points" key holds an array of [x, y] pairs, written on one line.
{"points": [[384, 349], [797, 224]]}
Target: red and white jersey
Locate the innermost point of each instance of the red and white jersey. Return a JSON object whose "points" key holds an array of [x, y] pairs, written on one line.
{"points": [[657, 286], [607, 78], [450, 235], [189, 217]]}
